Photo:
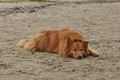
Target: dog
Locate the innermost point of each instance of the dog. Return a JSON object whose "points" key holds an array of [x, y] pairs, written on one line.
{"points": [[65, 42]]}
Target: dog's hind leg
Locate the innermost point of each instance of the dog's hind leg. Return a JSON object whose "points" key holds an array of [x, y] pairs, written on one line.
{"points": [[33, 42], [31, 45], [93, 53]]}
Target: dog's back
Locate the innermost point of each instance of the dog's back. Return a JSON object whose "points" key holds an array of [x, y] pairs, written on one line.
{"points": [[56, 39], [52, 40]]}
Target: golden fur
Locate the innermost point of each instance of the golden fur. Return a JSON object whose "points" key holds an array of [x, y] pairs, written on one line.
{"points": [[65, 42]]}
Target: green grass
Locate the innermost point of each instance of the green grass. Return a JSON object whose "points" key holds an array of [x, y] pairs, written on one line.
{"points": [[13, 1], [33, 0], [39, 0], [17, 0], [43, 1], [25, 0], [50, 1], [99, 0], [64, 1]]}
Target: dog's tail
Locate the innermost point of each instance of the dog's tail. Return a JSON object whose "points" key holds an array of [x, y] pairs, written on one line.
{"points": [[22, 43]]}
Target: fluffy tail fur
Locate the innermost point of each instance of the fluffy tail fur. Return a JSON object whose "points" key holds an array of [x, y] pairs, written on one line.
{"points": [[22, 43]]}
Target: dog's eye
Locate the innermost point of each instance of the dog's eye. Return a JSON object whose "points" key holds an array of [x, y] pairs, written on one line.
{"points": [[81, 49], [74, 49]]}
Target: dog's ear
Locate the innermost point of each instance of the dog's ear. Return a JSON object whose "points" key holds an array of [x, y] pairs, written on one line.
{"points": [[85, 44], [70, 40]]}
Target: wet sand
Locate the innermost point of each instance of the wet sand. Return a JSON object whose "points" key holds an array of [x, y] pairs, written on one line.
{"points": [[99, 23]]}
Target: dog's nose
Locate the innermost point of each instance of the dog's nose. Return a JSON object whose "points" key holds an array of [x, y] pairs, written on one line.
{"points": [[80, 57]]}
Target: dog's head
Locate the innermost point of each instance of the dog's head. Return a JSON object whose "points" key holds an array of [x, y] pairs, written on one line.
{"points": [[78, 48]]}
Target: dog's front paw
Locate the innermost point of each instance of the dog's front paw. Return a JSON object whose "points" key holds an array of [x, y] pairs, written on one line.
{"points": [[96, 54]]}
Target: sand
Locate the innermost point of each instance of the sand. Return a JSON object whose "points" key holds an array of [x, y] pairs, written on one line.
{"points": [[99, 23]]}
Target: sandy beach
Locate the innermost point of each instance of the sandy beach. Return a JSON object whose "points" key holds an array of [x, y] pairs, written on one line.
{"points": [[97, 22]]}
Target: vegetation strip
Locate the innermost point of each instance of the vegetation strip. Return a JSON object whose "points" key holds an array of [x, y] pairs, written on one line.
{"points": [[31, 9]]}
